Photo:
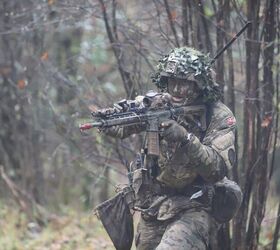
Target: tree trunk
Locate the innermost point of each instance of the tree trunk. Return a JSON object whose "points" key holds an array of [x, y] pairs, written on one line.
{"points": [[262, 169], [249, 161]]}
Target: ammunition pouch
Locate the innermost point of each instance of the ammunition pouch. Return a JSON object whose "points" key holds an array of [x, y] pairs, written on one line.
{"points": [[226, 201], [144, 188]]}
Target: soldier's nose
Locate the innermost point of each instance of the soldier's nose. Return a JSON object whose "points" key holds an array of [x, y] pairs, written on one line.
{"points": [[176, 88]]}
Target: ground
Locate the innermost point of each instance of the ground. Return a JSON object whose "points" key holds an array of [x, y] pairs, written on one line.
{"points": [[80, 230], [68, 232]]}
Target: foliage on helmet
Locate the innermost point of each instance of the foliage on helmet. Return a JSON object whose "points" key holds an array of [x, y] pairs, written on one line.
{"points": [[180, 63]]}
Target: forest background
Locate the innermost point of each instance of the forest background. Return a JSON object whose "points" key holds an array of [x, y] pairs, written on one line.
{"points": [[61, 60]]}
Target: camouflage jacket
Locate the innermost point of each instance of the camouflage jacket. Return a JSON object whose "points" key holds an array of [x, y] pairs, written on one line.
{"points": [[210, 154]]}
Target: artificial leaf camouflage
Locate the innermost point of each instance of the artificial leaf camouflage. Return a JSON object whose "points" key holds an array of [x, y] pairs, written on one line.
{"points": [[183, 62]]}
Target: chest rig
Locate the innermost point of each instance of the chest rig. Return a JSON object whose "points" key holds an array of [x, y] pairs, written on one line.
{"points": [[175, 168], [151, 174]]}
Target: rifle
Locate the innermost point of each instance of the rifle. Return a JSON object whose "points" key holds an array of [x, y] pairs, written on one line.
{"points": [[128, 112]]}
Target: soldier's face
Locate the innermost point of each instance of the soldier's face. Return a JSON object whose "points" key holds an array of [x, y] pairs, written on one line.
{"points": [[183, 91]]}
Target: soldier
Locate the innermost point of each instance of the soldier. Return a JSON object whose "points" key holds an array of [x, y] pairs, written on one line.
{"points": [[189, 194]]}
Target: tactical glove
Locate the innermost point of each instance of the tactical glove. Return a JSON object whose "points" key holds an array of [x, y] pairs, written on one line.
{"points": [[112, 131], [172, 131]]}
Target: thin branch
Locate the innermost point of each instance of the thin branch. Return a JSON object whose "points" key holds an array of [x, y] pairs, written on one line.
{"points": [[276, 231], [114, 3], [205, 26], [185, 26], [127, 81], [162, 33], [171, 22], [14, 191]]}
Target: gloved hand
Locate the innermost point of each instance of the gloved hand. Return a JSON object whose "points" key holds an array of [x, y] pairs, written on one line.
{"points": [[172, 131], [104, 112], [112, 131]]}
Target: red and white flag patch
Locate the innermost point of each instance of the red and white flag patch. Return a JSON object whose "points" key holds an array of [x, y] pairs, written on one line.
{"points": [[231, 121]]}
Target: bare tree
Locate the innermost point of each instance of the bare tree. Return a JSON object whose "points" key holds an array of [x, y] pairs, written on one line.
{"points": [[70, 58]]}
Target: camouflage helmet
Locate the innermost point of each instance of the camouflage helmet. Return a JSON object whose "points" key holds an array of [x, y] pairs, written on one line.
{"points": [[185, 61]]}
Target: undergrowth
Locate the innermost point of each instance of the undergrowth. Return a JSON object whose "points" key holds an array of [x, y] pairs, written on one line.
{"points": [[71, 231]]}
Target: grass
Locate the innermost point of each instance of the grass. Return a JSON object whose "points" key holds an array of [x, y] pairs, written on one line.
{"points": [[80, 231], [69, 232]]}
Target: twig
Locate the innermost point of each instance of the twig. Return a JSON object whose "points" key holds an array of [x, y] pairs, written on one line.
{"points": [[277, 229], [14, 190], [40, 214], [170, 18]]}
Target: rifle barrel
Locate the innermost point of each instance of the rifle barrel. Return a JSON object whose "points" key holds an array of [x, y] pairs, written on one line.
{"points": [[89, 125]]}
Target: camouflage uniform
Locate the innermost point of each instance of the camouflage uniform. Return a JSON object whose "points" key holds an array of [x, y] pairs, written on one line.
{"points": [[169, 219], [181, 168]]}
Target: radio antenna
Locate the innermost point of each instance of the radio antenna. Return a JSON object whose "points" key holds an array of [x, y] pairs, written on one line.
{"points": [[230, 42]]}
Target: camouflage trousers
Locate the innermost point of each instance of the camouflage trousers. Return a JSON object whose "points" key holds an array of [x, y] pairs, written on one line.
{"points": [[190, 230]]}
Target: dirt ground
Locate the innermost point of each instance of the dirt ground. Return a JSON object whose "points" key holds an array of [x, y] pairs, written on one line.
{"points": [[69, 232]]}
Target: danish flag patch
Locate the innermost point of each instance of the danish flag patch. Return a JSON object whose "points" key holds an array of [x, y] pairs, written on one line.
{"points": [[231, 121]]}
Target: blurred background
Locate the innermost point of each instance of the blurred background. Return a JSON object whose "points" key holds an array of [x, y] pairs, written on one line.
{"points": [[62, 59]]}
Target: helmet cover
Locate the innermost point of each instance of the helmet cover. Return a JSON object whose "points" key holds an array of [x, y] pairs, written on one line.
{"points": [[185, 61]]}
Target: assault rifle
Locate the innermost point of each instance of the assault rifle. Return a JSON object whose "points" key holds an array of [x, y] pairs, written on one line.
{"points": [[129, 112]]}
